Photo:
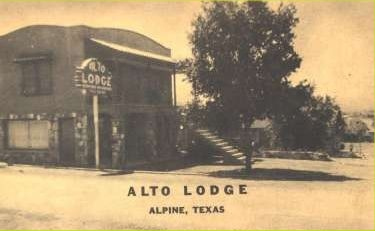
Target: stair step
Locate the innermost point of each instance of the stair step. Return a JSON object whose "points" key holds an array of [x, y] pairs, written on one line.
{"points": [[210, 137], [233, 150], [227, 150], [222, 143], [217, 140], [202, 130], [238, 154], [227, 147]]}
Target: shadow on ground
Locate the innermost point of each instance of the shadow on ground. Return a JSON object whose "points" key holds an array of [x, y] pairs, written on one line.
{"points": [[278, 174], [164, 166], [116, 173]]}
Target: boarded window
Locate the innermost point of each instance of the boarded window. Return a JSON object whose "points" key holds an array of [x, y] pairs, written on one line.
{"points": [[28, 134]]}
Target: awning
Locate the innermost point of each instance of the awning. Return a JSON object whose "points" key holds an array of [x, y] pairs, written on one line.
{"points": [[133, 51]]}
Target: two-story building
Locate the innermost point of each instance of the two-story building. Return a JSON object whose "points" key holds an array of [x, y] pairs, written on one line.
{"points": [[45, 119]]}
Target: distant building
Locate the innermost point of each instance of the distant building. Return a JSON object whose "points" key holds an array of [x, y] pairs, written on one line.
{"points": [[258, 131], [45, 119], [370, 125], [366, 120]]}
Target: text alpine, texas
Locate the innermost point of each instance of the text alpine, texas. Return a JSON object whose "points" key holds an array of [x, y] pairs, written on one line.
{"points": [[182, 210]]}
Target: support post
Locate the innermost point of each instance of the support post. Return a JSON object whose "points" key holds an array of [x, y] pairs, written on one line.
{"points": [[95, 106], [174, 87]]}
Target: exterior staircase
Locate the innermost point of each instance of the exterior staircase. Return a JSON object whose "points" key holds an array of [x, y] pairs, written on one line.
{"points": [[224, 152]]}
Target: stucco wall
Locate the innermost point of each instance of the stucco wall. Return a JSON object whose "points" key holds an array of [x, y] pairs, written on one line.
{"points": [[67, 48], [65, 52]]}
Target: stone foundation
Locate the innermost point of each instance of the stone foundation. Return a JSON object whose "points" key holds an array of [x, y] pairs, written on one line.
{"points": [[296, 155], [118, 144], [156, 133], [46, 156]]}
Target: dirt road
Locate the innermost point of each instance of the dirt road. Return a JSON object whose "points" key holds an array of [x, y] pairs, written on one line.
{"points": [[281, 194]]}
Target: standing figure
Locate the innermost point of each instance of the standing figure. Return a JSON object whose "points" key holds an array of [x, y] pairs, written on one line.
{"points": [[351, 147], [249, 154]]}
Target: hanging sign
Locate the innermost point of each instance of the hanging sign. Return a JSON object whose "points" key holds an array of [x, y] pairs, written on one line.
{"points": [[93, 76]]}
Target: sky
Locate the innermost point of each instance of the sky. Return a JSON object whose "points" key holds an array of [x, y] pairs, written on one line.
{"points": [[335, 39]]}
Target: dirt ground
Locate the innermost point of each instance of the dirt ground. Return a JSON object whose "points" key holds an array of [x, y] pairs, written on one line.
{"points": [[281, 194]]}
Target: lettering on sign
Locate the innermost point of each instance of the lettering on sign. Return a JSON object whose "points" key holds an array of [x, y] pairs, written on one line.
{"points": [[93, 76]]}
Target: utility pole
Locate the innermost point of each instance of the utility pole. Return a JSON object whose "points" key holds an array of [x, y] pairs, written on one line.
{"points": [[95, 106], [174, 87]]}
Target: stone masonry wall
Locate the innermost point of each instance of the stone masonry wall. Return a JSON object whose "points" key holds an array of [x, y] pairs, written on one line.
{"points": [[49, 156], [118, 144], [82, 140]]}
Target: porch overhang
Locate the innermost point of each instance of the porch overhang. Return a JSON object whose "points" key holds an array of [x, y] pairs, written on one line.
{"points": [[132, 51]]}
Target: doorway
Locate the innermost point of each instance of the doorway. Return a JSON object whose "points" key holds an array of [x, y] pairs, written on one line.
{"points": [[66, 141], [105, 137]]}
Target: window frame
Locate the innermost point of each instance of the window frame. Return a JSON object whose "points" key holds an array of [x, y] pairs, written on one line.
{"points": [[7, 138], [37, 61]]}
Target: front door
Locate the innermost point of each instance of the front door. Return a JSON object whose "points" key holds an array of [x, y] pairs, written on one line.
{"points": [[66, 141], [105, 137]]}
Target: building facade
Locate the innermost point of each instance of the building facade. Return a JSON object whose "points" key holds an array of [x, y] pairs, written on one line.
{"points": [[45, 119]]}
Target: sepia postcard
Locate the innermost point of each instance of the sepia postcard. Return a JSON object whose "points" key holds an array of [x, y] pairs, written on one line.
{"points": [[187, 115]]}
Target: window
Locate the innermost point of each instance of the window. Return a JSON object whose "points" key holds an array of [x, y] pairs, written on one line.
{"points": [[36, 75], [28, 134]]}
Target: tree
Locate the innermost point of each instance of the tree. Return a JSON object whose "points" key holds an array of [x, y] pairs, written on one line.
{"points": [[339, 124], [243, 55], [291, 124], [308, 122], [339, 127]]}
